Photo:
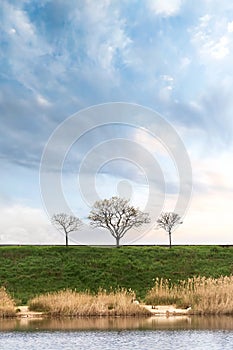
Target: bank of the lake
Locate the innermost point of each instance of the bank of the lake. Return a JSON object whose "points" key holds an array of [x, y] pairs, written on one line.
{"points": [[27, 271]]}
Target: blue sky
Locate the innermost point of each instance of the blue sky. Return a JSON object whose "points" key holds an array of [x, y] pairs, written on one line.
{"points": [[60, 57]]}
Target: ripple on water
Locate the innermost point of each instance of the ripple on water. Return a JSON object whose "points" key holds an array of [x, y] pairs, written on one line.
{"points": [[114, 340]]}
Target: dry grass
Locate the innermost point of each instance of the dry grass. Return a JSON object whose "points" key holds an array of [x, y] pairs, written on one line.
{"points": [[7, 305], [205, 295], [71, 303]]}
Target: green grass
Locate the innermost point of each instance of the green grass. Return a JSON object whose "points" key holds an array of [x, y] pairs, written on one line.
{"points": [[31, 270]]}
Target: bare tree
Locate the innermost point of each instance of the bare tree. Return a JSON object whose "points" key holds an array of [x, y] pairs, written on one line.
{"points": [[117, 216], [168, 221], [67, 223]]}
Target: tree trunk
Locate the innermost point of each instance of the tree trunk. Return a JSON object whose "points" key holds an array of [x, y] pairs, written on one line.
{"points": [[117, 242], [66, 239], [170, 239]]}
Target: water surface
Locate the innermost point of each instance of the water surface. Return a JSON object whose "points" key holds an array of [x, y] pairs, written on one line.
{"points": [[163, 333]]}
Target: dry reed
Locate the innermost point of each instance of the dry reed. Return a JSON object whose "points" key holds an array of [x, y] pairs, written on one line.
{"points": [[7, 305], [204, 295], [72, 303]]}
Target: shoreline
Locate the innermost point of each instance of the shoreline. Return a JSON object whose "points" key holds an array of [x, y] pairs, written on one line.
{"points": [[24, 312], [158, 310]]}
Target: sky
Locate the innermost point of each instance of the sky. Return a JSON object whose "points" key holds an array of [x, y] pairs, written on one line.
{"points": [[102, 98]]}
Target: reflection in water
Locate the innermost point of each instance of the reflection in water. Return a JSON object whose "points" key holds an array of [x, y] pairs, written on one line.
{"points": [[118, 323]]}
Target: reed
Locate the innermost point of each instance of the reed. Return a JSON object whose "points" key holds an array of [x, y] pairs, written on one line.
{"points": [[204, 295], [7, 305], [72, 303]]}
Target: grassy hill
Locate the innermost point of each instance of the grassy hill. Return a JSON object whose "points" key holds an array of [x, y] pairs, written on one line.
{"points": [[27, 271]]}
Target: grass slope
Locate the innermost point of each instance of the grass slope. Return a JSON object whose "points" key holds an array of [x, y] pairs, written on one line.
{"points": [[27, 271]]}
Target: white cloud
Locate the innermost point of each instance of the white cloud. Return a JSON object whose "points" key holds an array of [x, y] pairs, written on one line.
{"points": [[165, 91], [214, 174], [165, 8], [24, 225], [12, 31], [106, 36], [213, 42], [204, 20], [230, 27], [167, 78], [24, 47], [208, 221], [42, 101], [218, 49]]}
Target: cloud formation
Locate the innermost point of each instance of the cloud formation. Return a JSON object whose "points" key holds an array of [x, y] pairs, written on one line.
{"points": [[58, 57], [165, 8]]}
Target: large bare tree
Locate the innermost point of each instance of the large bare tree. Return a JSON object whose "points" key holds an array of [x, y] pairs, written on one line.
{"points": [[169, 221], [117, 216], [66, 223]]}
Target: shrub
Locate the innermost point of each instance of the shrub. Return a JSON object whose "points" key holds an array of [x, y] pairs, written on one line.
{"points": [[205, 295], [72, 303], [7, 305]]}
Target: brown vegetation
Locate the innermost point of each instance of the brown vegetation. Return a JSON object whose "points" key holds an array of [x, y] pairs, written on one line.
{"points": [[72, 303], [7, 305], [204, 295]]}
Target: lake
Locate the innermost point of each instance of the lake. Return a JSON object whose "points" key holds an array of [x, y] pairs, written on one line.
{"points": [[180, 332]]}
